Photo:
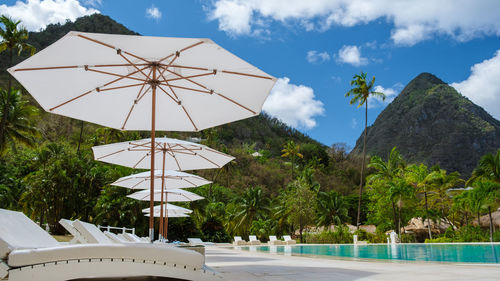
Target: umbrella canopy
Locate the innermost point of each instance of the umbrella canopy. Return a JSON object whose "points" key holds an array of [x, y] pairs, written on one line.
{"points": [[170, 179], [179, 155], [109, 79], [169, 207], [173, 195]]}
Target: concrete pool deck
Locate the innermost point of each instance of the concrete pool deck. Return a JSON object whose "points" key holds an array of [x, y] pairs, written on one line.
{"points": [[236, 264]]}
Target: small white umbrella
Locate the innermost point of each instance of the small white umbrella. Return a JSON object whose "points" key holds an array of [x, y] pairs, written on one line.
{"points": [[170, 215], [168, 206], [170, 154], [174, 195], [170, 179]]}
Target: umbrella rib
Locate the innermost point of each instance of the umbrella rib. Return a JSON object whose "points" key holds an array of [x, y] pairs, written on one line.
{"points": [[175, 158], [182, 50], [137, 99], [140, 160], [120, 87], [190, 182], [133, 187], [88, 92], [113, 74], [209, 160], [187, 78], [112, 47], [223, 71], [235, 102], [112, 153], [189, 116], [186, 88], [72, 66], [215, 151], [133, 105], [163, 90]]}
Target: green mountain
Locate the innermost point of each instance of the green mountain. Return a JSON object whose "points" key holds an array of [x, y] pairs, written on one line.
{"points": [[431, 122]]}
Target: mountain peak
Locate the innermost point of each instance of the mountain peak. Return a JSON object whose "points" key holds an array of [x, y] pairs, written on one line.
{"points": [[430, 122]]}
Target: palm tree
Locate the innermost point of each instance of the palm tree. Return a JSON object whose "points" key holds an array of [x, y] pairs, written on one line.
{"points": [[440, 197], [488, 168], [16, 115], [332, 208], [291, 150], [252, 205], [13, 37], [488, 191], [360, 93], [388, 171], [399, 189], [420, 178]]}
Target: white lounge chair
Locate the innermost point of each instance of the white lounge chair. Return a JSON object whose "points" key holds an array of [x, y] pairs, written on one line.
{"points": [[239, 242], [289, 240], [77, 236], [91, 233], [134, 238], [27, 252], [198, 241], [253, 240], [274, 241], [117, 238]]}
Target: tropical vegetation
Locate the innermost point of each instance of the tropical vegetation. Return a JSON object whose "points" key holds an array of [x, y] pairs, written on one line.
{"points": [[282, 182]]}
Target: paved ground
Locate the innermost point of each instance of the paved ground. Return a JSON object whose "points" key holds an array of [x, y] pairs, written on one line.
{"points": [[244, 265]]}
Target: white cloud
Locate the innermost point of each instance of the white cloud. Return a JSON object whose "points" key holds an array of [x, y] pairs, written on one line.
{"points": [[37, 14], [294, 105], [153, 13], [412, 21], [483, 85], [390, 94], [316, 57], [354, 123], [93, 3], [351, 55]]}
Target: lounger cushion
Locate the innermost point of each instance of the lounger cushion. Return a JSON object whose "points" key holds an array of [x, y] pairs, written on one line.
{"points": [[17, 231], [91, 233], [148, 252]]}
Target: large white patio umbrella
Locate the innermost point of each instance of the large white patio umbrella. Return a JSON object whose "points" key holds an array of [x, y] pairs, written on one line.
{"points": [[169, 179], [133, 82]]}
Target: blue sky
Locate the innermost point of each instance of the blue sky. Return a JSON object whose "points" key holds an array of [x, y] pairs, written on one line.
{"points": [[315, 47]]}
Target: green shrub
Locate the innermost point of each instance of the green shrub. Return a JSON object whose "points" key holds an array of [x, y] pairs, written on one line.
{"points": [[439, 240], [341, 235]]}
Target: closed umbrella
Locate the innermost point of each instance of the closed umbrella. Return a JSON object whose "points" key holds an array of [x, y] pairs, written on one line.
{"points": [[133, 82]]}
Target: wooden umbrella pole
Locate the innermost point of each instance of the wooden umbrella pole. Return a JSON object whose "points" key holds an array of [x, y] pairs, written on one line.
{"points": [[160, 231], [153, 144], [165, 224]]}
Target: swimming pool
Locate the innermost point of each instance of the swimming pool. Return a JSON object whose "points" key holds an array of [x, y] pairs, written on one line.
{"points": [[464, 253]]}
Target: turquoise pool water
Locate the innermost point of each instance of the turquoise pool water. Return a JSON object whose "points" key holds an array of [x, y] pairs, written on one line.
{"points": [[464, 253]]}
